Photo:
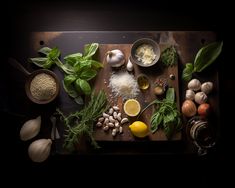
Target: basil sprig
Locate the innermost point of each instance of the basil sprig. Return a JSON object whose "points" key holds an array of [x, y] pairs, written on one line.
{"points": [[204, 57]]}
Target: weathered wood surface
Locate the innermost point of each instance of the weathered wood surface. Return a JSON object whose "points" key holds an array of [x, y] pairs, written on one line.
{"points": [[144, 97]]}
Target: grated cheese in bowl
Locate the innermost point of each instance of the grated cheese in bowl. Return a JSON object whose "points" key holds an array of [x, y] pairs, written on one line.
{"points": [[145, 54]]}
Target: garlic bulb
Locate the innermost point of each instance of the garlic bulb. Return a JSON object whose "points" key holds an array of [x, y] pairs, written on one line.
{"points": [[207, 87], [39, 150], [115, 58], [129, 66], [30, 128], [194, 85], [200, 97], [190, 94]]}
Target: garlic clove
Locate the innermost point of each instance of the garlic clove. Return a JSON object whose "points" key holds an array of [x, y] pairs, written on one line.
{"points": [[207, 87], [30, 129], [129, 66], [194, 85], [39, 150], [200, 97], [190, 94]]}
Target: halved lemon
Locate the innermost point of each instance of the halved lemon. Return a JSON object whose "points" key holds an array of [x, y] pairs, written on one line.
{"points": [[132, 107]]}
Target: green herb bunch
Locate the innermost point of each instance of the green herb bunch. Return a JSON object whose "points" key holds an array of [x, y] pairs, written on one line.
{"points": [[166, 114], [80, 123], [169, 56], [205, 56], [79, 68]]}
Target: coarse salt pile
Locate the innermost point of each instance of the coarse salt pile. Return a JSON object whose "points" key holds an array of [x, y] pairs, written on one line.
{"points": [[124, 85]]}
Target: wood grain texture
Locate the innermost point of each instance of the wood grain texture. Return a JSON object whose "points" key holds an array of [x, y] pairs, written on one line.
{"points": [[144, 97]]}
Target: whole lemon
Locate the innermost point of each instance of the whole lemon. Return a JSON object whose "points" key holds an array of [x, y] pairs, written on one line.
{"points": [[139, 129]]}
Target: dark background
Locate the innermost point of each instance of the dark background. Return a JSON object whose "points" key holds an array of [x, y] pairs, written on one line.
{"points": [[23, 17]]}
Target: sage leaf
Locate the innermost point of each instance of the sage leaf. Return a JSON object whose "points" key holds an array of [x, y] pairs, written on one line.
{"points": [[207, 55], [44, 51], [88, 74], [187, 72], [90, 50], [84, 85]]}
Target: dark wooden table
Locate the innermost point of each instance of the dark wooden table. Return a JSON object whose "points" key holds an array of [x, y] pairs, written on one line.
{"points": [[187, 44]]}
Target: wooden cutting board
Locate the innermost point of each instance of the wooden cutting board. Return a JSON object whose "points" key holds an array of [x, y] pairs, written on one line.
{"points": [[145, 97]]}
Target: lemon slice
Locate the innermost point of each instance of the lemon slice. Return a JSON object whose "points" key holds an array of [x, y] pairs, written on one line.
{"points": [[139, 129], [132, 107]]}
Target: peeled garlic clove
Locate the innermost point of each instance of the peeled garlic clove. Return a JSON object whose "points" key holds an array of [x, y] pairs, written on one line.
{"points": [[200, 97], [129, 66], [39, 150], [30, 128], [190, 94], [194, 85], [207, 87]]}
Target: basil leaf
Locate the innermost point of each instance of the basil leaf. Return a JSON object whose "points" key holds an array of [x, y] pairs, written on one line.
{"points": [[79, 100], [65, 67], [168, 118], [88, 74], [90, 50], [207, 55], [169, 130], [44, 51], [156, 120], [54, 53], [69, 88], [96, 64], [170, 95], [69, 79], [41, 62], [84, 85], [187, 72], [73, 58]]}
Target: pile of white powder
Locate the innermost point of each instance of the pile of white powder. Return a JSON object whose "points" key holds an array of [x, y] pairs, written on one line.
{"points": [[124, 85]]}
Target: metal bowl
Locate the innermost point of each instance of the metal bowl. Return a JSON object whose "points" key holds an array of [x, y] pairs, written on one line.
{"points": [[138, 43]]}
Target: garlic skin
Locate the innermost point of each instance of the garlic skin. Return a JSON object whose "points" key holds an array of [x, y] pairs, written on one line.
{"points": [[30, 129], [200, 97], [129, 66], [194, 85], [115, 58], [207, 87], [39, 150], [190, 95]]}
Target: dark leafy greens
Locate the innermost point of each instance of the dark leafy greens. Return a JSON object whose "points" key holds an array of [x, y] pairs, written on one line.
{"points": [[205, 57], [79, 68], [169, 56], [166, 114], [80, 123]]}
